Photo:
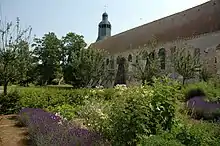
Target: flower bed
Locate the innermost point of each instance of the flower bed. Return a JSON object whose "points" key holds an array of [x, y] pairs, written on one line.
{"points": [[49, 129]]}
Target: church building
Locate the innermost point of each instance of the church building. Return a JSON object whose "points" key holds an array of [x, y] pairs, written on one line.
{"points": [[198, 27]]}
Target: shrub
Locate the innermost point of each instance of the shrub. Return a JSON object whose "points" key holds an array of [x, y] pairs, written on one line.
{"points": [[67, 111], [48, 129], [44, 97], [9, 104], [134, 112], [158, 140], [143, 111], [95, 115], [212, 92]]}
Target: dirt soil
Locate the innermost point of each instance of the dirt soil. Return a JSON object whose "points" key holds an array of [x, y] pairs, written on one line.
{"points": [[11, 134]]}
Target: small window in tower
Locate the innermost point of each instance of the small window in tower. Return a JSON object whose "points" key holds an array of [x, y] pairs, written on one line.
{"points": [[129, 58]]}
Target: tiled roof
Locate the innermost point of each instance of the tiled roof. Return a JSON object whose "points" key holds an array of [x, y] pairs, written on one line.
{"points": [[198, 20]]}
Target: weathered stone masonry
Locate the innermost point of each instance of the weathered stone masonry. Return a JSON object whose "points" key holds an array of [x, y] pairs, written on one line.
{"points": [[198, 27]]}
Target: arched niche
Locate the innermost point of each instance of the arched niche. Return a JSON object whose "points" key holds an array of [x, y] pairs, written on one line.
{"points": [[162, 56], [129, 58]]}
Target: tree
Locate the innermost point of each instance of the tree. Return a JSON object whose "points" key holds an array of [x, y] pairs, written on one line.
{"points": [[204, 73], [147, 63], [24, 58], [47, 52], [71, 43], [147, 67], [82, 67], [85, 68], [12, 36], [185, 63]]}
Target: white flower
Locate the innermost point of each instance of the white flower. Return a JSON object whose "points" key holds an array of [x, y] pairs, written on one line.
{"points": [[60, 123], [99, 87]]}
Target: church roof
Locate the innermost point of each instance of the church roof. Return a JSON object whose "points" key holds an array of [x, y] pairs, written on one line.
{"points": [[192, 22]]}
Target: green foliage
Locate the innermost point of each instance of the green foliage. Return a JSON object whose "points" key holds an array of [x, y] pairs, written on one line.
{"points": [[47, 52], [95, 115], [185, 63], [71, 44], [205, 74], [13, 49], [44, 97], [24, 57], [158, 140], [143, 111], [67, 111], [9, 104], [85, 68], [134, 112], [212, 92], [146, 67], [146, 115]]}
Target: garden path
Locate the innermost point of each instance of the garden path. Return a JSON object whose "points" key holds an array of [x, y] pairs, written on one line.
{"points": [[10, 133]]}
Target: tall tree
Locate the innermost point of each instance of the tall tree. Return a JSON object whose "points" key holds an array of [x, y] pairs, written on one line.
{"points": [[147, 63], [71, 44], [146, 67], [85, 68], [185, 63], [12, 36], [25, 63], [47, 51]]}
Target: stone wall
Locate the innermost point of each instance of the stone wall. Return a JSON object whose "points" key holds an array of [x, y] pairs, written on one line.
{"points": [[208, 46]]}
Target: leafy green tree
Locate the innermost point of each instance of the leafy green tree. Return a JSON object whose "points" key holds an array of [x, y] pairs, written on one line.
{"points": [[85, 68], [146, 67], [82, 67], [185, 63], [25, 58], [12, 36], [47, 52], [205, 74], [71, 44]]}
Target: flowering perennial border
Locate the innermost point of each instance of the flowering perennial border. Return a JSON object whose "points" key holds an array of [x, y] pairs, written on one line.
{"points": [[47, 129]]}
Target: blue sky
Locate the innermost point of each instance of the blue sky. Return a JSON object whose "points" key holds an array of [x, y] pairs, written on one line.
{"points": [[83, 16]]}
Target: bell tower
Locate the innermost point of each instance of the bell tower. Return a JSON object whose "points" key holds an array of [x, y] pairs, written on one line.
{"points": [[104, 28]]}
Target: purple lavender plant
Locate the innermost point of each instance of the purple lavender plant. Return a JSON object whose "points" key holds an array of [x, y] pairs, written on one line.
{"points": [[49, 129]]}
